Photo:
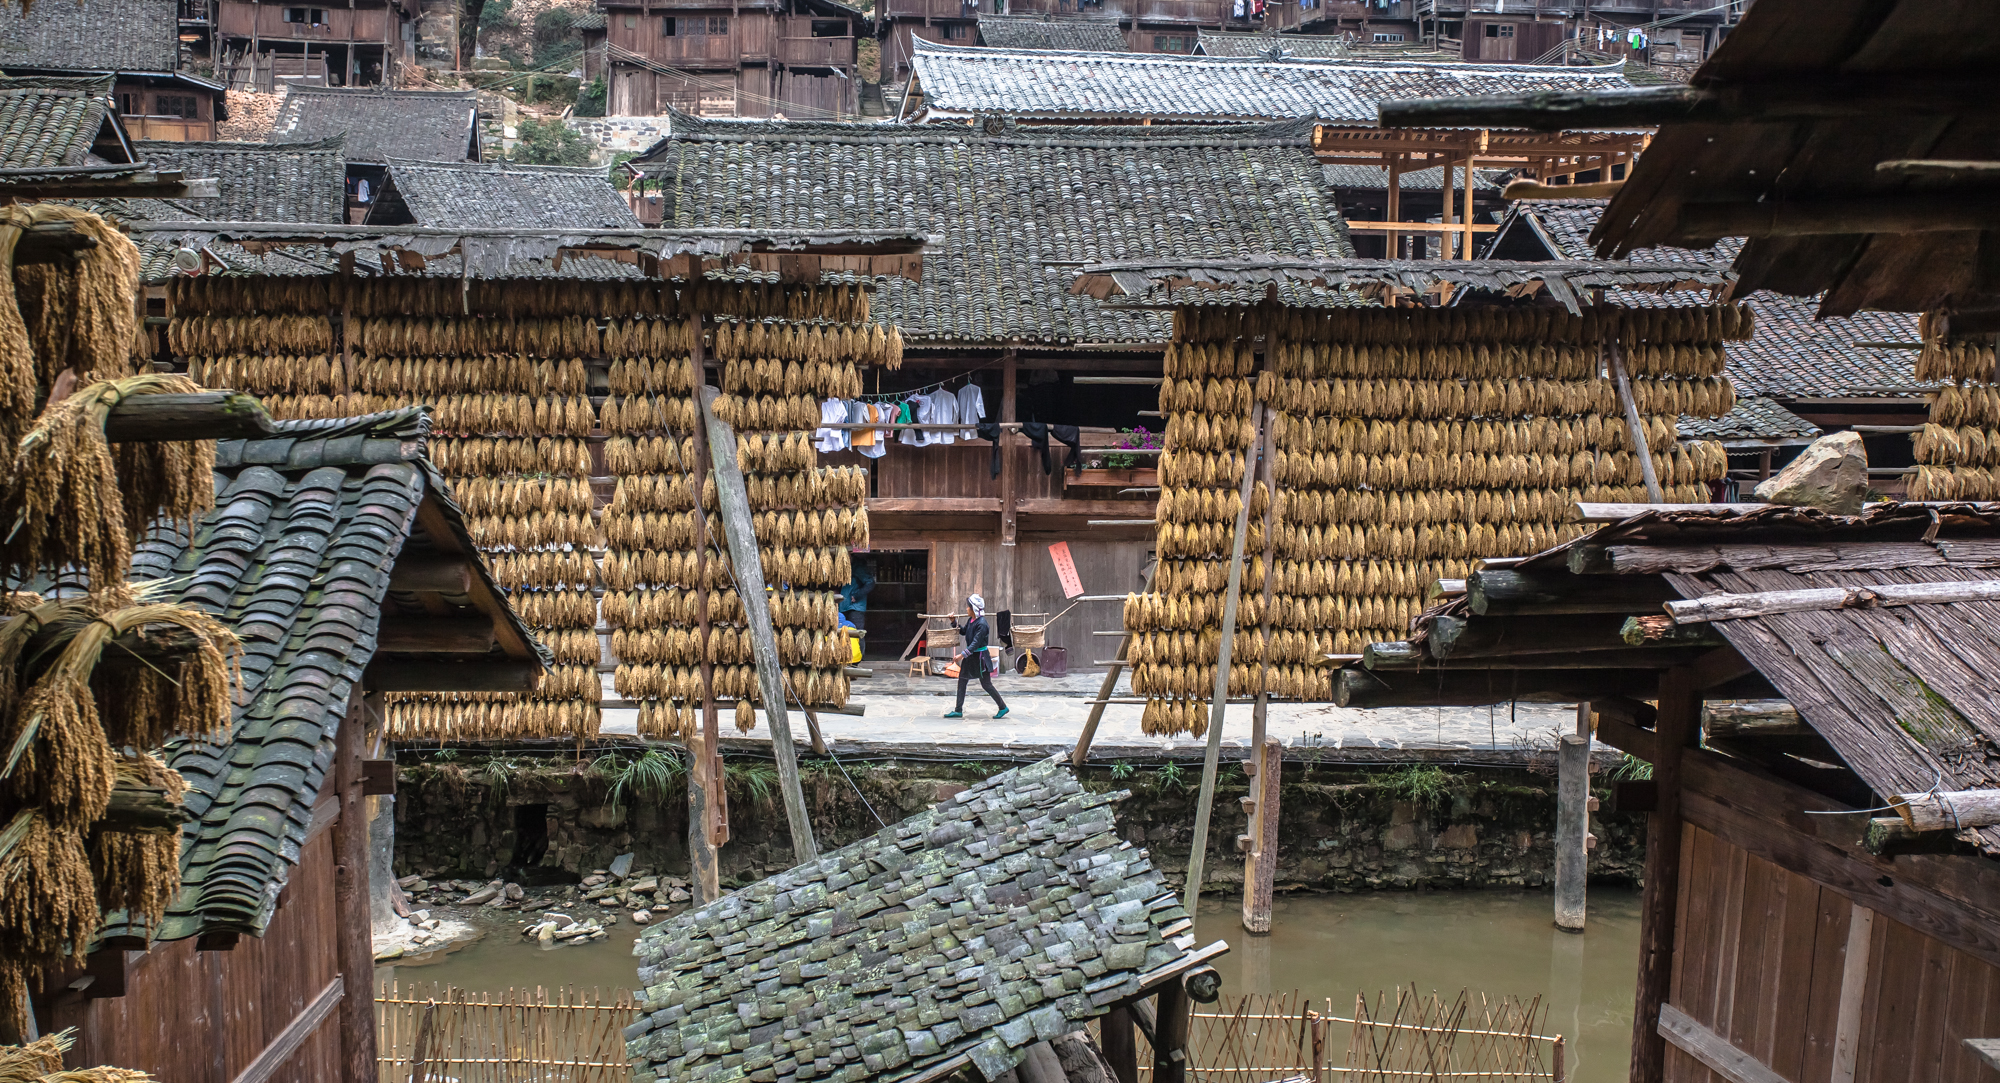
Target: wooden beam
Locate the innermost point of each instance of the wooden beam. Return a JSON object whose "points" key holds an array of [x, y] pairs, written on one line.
{"points": [[1986, 1049], [1533, 189], [1010, 512], [1043, 505], [302, 1026], [48, 242], [353, 943], [1453, 636], [1950, 810], [1948, 170], [1914, 213], [1819, 556], [1713, 1050], [431, 573], [435, 635], [495, 675], [1661, 631], [1512, 592], [1720, 607], [207, 415], [1679, 716], [430, 516], [1649, 107], [1720, 666], [879, 505], [1266, 767], [1618, 513], [1170, 1059], [1573, 824], [708, 797], [1116, 1040], [1109, 685], [1479, 687], [144, 810], [733, 508]]}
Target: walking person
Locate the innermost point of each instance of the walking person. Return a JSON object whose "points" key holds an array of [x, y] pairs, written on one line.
{"points": [[973, 661]]}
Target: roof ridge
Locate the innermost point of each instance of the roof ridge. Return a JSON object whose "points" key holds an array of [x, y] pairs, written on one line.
{"points": [[924, 48], [244, 146], [1281, 132], [502, 166], [379, 92]]}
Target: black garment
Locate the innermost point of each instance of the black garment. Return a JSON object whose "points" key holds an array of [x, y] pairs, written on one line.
{"points": [[990, 430], [975, 643], [1073, 436], [986, 682], [1038, 438], [1003, 626]]}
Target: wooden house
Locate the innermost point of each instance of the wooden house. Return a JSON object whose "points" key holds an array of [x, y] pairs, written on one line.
{"points": [[380, 124], [262, 964], [501, 195], [953, 85], [71, 144], [1794, 926], [991, 313], [136, 43], [792, 58], [258, 46]]}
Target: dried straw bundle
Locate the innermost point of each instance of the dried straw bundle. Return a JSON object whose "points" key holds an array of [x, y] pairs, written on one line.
{"points": [[82, 314], [139, 871], [64, 471], [482, 495], [486, 455], [226, 295]]}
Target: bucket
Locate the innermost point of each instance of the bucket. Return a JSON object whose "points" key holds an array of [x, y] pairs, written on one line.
{"points": [[1055, 662]]}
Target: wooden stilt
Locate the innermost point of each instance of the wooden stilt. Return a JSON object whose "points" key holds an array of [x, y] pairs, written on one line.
{"points": [[1573, 822], [1104, 690], [1170, 1032], [1260, 864], [1121, 1049], [733, 509], [1679, 716]]}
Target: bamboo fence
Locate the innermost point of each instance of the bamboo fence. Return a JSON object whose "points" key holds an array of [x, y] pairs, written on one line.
{"points": [[429, 1033]]}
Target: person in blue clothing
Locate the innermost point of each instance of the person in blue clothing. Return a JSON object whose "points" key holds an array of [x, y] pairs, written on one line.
{"points": [[973, 661], [852, 601]]}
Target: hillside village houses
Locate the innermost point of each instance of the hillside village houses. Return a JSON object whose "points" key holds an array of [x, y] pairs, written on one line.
{"points": [[1067, 308]]}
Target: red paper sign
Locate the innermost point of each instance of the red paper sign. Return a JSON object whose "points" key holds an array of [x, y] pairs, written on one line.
{"points": [[1066, 569]]}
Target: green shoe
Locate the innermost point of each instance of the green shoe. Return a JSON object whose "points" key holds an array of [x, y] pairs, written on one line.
{"points": [[1001, 713], [954, 714]]}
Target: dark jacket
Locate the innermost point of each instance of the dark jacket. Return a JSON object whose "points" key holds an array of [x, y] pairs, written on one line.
{"points": [[974, 632]]}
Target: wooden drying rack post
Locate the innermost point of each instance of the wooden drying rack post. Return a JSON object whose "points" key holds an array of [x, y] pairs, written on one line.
{"points": [[708, 808]]}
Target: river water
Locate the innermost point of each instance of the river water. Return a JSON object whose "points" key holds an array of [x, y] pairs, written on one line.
{"points": [[1500, 943]]}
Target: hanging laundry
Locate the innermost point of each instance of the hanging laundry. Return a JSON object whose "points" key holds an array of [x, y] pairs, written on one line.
{"points": [[990, 430], [1038, 438], [831, 412], [877, 444], [1073, 437], [971, 407], [857, 414], [944, 411], [906, 413]]}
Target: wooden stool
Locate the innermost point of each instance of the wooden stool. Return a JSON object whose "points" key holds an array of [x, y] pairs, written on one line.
{"points": [[920, 666]]}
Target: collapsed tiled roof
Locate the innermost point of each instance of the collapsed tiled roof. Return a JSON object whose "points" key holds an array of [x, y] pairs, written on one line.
{"points": [[961, 82], [1010, 914], [1009, 204], [91, 35], [1792, 355], [260, 182], [1088, 32], [380, 124], [295, 558], [51, 121], [1754, 420], [466, 195]]}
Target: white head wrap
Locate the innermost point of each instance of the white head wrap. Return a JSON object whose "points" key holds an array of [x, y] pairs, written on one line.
{"points": [[977, 603]]}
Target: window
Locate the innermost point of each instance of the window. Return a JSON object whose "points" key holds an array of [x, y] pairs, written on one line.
{"points": [[1169, 43], [958, 31], [1389, 37], [311, 16], [632, 21], [829, 28], [1499, 30], [176, 105], [125, 104], [667, 27], [718, 24]]}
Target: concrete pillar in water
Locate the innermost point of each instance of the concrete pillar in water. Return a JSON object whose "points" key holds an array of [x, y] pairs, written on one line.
{"points": [[1573, 822]]}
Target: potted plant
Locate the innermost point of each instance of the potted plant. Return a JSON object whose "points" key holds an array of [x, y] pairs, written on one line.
{"points": [[1120, 464]]}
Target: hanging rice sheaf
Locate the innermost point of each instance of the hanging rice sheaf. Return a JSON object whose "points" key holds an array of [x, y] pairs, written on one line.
{"points": [[1957, 452], [1405, 445]]}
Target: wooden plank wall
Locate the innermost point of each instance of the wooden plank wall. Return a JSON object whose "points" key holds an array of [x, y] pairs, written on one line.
{"points": [[965, 469], [1759, 958], [1023, 579], [202, 1016]]}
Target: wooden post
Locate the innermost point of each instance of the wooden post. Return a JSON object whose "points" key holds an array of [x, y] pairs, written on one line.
{"points": [[1198, 852], [1679, 717], [1572, 822], [1260, 863], [1392, 207], [1616, 351], [1853, 990], [1120, 1049], [733, 508], [354, 947], [1009, 492], [708, 819], [1170, 1031]]}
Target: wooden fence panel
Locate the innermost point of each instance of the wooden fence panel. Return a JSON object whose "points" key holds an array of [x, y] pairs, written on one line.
{"points": [[429, 1033]]}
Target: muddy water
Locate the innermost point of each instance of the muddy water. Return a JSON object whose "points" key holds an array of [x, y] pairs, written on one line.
{"points": [[1497, 942]]}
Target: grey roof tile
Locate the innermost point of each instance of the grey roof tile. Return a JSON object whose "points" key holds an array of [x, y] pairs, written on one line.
{"points": [[505, 195], [260, 182], [1094, 33], [960, 81], [380, 124], [50, 121], [91, 35], [861, 979]]}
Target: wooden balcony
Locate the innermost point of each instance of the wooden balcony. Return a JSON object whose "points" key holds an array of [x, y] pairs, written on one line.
{"points": [[807, 52], [939, 9]]}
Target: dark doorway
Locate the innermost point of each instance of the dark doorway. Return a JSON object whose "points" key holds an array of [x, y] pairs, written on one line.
{"points": [[531, 835], [896, 603]]}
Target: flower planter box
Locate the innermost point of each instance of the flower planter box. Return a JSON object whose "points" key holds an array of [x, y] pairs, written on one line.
{"points": [[1134, 477]]}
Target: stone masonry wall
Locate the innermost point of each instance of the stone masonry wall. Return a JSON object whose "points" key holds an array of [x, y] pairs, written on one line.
{"points": [[1341, 828]]}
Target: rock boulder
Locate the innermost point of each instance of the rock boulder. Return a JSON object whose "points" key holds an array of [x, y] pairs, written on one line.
{"points": [[1831, 474]]}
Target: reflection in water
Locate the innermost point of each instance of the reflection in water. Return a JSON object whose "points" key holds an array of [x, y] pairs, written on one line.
{"points": [[1496, 942]]}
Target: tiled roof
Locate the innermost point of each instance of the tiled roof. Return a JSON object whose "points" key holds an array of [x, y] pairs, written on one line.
{"points": [[1008, 204], [1010, 914], [1792, 354], [588, 20], [1347, 175], [91, 35], [1090, 32], [261, 182], [959, 82], [502, 195], [50, 121], [426, 125], [295, 557], [1316, 46], [1755, 420]]}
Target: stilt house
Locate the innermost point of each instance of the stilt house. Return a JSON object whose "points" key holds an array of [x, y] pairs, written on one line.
{"points": [[136, 43], [792, 58], [378, 125]]}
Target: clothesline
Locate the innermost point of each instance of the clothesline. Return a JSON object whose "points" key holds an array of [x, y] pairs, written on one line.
{"points": [[894, 396]]}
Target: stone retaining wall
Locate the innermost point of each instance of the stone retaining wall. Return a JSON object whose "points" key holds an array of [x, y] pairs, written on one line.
{"points": [[615, 134], [1342, 828]]}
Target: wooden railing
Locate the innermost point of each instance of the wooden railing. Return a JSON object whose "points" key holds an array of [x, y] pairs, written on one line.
{"points": [[832, 52], [426, 1033]]}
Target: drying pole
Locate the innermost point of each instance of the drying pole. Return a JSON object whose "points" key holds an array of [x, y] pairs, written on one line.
{"points": [[1265, 765], [708, 819], [1573, 822], [1616, 350], [1198, 852], [732, 502]]}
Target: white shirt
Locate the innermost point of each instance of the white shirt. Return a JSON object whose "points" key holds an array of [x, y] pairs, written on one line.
{"points": [[831, 412], [971, 407], [880, 447], [919, 412], [944, 411]]}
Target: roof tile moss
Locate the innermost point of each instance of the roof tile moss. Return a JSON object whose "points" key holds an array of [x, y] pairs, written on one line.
{"points": [[50, 121]]}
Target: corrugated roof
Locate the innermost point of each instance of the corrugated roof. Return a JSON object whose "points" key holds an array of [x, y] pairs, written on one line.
{"points": [[380, 124], [960, 82], [295, 557], [1069, 32], [91, 35], [1008, 203], [50, 121], [506, 195], [260, 182], [1010, 914]]}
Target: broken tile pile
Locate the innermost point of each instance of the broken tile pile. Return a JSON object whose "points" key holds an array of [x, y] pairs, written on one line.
{"points": [[1010, 914]]}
